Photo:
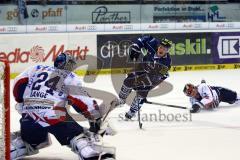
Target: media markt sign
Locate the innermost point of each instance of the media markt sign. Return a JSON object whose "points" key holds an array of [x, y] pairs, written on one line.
{"points": [[228, 47]]}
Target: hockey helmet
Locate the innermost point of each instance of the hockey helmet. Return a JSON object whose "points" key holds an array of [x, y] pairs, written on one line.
{"points": [[65, 61], [188, 89], [166, 43]]}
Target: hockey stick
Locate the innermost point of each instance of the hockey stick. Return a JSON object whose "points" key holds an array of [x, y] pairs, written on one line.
{"points": [[105, 116], [139, 117], [167, 105], [139, 114]]}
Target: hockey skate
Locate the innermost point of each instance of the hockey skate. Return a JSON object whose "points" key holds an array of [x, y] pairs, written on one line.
{"points": [[129, 115]]}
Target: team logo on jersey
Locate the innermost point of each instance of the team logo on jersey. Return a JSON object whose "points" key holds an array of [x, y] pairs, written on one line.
{"points": [[228, 47]]}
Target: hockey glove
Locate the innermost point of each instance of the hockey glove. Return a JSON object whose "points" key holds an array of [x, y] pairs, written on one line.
{"points": [[19, 107], [160, 69], [135, 52], [95, 125], [155, 68], [195, 108]]}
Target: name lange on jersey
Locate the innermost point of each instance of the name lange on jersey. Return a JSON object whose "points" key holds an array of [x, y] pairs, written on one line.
{"points": [[38, 94]]}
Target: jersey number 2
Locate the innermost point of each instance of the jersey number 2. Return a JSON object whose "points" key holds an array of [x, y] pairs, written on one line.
{"points": [[50, 83]]}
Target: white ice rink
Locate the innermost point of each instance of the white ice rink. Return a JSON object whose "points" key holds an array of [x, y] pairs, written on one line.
{"points": [[210, 135]]}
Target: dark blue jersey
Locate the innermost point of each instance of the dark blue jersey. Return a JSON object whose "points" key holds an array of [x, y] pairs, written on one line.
{"points": [[147, 46]]}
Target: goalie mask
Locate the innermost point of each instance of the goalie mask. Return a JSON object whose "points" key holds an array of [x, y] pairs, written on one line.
{"points": [[65, 61]]}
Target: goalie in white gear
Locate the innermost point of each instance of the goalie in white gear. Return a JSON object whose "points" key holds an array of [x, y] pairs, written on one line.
{"points": [[208, 97], [42, 93]]}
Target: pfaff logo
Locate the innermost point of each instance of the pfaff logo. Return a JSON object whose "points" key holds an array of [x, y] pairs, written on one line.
{"points": [[50, 12], [228, 47]]}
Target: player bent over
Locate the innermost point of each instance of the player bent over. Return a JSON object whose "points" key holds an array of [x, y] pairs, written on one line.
{"points": [[42, 93], [209, 97], [151, 68]]}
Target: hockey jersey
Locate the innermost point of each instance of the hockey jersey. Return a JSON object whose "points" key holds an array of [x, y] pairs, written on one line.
{"points": [[150, 62], [206, 95], [44, 92]]}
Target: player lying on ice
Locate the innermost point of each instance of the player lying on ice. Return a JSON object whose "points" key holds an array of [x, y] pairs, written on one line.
{"points": [[208, 97], [151, 68], [42, 93]]}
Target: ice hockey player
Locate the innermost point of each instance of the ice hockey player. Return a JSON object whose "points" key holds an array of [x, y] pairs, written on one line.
{"points": [[204, 96], [152, 61], [42, 93]]}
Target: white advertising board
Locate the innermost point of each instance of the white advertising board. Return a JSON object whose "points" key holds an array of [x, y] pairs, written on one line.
{"points": [[13, 29], [24, 50]]}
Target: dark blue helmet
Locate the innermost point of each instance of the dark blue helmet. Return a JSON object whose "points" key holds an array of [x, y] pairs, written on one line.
{"points": [[65, 61], [166, 43]]}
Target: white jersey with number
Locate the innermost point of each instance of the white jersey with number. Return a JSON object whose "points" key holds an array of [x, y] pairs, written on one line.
{"points": [[44, 92], [207, 96]]}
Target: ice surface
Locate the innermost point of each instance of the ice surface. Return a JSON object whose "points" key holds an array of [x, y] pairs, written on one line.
{"points": [[208, 135]]}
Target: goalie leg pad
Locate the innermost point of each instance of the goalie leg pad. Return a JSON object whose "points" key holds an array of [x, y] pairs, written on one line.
{"points": [[21, 149], [87, 150]]}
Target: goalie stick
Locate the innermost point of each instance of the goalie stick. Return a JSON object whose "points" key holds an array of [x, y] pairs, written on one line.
{"points": [[167, 105], [106, 114]]}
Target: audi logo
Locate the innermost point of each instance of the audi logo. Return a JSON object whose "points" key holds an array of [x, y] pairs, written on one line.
{"points": [[52, 28], [91, 28], [12, 29]]}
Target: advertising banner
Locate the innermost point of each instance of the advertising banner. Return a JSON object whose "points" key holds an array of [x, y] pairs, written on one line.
{"points": [[78, 18], [226, 47], [103, 14], [13, 29], [9, 15], [179, 13], [23, 50], [49, 14], [37, 14], [160, 13], [223, 13], [188, 48]]}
